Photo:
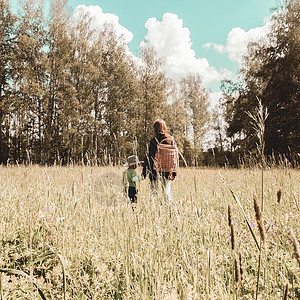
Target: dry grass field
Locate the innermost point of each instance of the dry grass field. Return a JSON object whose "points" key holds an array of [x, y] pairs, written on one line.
{"points": [[69, 233]]}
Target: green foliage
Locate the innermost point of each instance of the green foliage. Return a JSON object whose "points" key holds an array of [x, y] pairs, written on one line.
{"points": [[72, 94], [270, 72], [152, 95], [195, 97], [7, 50]]}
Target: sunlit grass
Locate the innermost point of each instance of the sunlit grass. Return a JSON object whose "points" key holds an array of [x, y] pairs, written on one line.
{"points": [[157, 250]]}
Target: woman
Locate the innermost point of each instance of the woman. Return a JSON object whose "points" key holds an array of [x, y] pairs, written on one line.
{"points": [[161, 135]]}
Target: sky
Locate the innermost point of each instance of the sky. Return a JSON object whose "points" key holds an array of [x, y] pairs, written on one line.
{"points": [[208, 37]]}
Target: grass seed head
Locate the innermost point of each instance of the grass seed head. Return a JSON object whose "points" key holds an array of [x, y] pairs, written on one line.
{"points": [[237, 270], [242, 270], [258, 216], [286, 292], [229, 215], [295, 245], [232, 235], [257, 208], [279, 194]]}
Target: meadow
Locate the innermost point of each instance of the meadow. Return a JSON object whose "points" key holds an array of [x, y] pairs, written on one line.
{"points": [[69, 233]]}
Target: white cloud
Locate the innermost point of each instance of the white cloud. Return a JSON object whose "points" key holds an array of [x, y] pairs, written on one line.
{"points": [[207, 45], [99, 18], [172, 41], [214, 99], [169, 38], [219, 48], [238, 40]]}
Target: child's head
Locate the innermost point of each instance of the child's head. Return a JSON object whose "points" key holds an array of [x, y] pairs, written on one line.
{"points": [[133, 162]]}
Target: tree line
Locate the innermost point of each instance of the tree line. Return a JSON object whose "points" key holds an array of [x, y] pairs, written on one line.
{"points": [[271, 73], [70, 93]]}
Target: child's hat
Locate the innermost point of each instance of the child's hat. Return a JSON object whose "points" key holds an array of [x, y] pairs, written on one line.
{"points": [[133, 160]]}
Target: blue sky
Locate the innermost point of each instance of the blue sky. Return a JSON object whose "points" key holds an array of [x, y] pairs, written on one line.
{"points": [[207, 20], [202, 36]]}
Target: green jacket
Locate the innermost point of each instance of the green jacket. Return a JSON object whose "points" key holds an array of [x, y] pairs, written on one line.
{"points": [[128, 177]]}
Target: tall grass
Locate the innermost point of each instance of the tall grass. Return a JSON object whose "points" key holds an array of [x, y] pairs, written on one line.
{"points": [[109, 251], [258, 121]]}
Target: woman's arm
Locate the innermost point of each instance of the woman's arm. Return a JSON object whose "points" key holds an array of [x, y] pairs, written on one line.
{"points": [[148, 161]]}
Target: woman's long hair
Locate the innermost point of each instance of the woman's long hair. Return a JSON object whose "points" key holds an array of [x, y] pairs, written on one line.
{"points": [[160, 127]]}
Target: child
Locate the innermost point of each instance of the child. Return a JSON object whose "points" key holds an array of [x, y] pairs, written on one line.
{"points": [[130, 178]]}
